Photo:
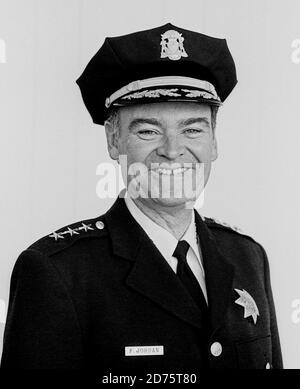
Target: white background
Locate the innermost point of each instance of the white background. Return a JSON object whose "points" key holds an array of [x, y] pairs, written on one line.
{"points": [[50, 148]]}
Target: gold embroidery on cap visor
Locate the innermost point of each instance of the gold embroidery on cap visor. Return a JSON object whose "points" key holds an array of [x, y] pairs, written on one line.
{"points": [[174, 87], [176, 93]]}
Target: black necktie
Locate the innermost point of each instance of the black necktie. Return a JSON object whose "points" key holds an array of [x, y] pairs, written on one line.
{"points": [[187, 277]]}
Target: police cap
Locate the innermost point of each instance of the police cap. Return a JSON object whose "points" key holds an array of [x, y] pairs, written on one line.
{"points": [[166, 63]]}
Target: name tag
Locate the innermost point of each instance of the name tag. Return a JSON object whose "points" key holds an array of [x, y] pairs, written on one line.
{"points": [[136, 351]]}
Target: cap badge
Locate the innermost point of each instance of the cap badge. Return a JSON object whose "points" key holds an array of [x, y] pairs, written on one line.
{"points": [[248, 303], [172, 45]]}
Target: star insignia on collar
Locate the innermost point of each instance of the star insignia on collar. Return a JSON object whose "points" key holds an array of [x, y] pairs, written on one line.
{"points": [[56, 236], [86, 227], [248, 303], [71, 232]]}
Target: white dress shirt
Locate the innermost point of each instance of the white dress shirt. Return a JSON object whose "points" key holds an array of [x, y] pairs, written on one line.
{"points": [[166, 242]]}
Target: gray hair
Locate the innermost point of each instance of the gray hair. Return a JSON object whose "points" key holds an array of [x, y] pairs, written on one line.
{"points": [[114, 119], [214, 110]]}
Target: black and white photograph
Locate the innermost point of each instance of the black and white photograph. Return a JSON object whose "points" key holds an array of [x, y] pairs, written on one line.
{"points": [[150, 218]]}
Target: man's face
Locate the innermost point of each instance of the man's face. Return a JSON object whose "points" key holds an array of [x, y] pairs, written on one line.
{"points": [[165, 137]]}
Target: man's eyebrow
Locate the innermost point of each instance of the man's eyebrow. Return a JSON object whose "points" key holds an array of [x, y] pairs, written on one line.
{"points": [[137, 121], [155, 122], [190, 121]]}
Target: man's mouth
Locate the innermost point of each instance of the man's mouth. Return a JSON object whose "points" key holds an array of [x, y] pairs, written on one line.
{"points": [[169, 171], [174, 169]]}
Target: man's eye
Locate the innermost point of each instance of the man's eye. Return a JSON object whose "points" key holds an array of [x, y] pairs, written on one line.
{"points": [[193, 131], [147, 133]]}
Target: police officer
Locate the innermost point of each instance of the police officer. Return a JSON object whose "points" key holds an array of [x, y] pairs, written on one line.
{"points": [[151, 285]]}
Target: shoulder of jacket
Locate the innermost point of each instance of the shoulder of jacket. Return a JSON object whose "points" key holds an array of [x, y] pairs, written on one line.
{"points": [[213, 223], [67, 236]]}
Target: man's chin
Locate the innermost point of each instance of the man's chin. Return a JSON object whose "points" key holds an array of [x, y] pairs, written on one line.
{"points": [[169, 202]]}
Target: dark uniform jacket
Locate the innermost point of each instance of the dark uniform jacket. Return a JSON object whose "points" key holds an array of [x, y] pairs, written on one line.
{"points": [[76, 301]]}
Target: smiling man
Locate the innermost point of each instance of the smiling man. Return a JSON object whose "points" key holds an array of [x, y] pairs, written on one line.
{"points": [[171, 146], [150, 286]]}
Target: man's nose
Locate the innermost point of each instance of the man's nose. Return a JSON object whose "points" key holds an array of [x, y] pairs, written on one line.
{"points": [[171, 148]]}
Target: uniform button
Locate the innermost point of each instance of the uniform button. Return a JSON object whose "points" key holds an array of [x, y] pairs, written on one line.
{"points": [[216, 349], [268, 366], [99, 225]]}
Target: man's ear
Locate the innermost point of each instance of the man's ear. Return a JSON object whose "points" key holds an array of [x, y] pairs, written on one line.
{"points": [[112, 136], [214, 150]]}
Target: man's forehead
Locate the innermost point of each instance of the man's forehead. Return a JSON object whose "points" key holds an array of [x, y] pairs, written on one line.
{"points": [[166, 111]]}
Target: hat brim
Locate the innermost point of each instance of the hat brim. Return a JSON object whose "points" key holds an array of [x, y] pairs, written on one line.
{"points": [[167, 94]]}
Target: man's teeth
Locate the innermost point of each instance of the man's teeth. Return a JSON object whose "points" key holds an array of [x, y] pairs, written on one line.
{"points": [[172, 171]]}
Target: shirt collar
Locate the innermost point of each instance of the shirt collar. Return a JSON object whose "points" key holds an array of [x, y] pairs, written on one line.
{"points": [[163, 239]]}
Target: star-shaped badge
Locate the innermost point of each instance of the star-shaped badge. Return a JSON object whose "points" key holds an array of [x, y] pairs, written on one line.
{"points": [[249, 305], [86, 227], [56, 236], [72, 232]]}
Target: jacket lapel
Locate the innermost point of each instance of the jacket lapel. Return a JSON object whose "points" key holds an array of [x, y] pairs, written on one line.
{"points": [[150, 274], [218, 274]]}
